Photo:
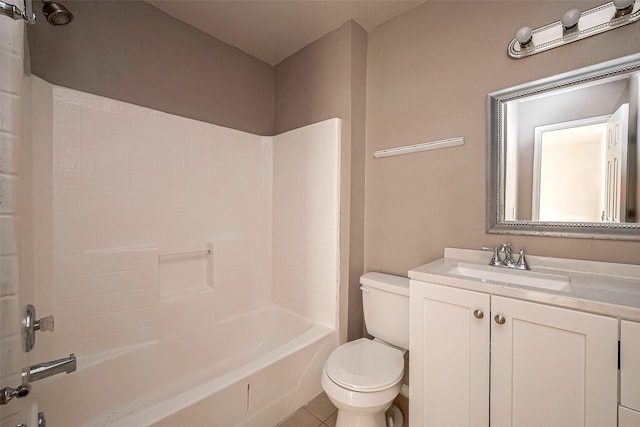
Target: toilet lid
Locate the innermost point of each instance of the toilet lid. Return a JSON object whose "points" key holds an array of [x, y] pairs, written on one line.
{"points": [[365, 365]]}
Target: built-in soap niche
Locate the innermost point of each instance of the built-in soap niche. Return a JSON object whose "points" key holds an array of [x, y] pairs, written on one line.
{"points": [[184, 273]]}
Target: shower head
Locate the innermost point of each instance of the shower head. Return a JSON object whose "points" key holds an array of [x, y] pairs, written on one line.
{"points": [[56, 13]]}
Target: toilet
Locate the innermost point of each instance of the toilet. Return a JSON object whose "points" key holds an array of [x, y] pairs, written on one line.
{"points": [[363, 377]]}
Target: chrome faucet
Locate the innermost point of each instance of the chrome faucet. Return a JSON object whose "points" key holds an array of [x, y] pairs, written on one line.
{"points": [[35, 373], [506, 260], [47, 369]]}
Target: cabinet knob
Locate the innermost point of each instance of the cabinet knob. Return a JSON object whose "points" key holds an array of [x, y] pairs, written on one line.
{"points": [[499, 318], [478, 314]]}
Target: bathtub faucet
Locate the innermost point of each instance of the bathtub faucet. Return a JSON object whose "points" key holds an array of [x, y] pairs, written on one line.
{"points": [[47, 369]]}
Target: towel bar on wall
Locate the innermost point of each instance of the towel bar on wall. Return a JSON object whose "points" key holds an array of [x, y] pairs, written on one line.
{"points": [[433, 145]]}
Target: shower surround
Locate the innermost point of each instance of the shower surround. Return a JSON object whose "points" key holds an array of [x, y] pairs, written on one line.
{"points": [[148, 226], [11, 141]]}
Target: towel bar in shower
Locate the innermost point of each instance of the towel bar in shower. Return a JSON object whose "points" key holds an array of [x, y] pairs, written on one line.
{"points": [[186, 253]]}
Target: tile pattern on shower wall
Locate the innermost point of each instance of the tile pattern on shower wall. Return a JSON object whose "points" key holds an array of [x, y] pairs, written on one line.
{"points": [[130, 183], [11, 98], [305, 218]]}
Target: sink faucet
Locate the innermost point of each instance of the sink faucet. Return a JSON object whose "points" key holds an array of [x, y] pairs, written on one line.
{"points": [[47, 369], [506, 260]]}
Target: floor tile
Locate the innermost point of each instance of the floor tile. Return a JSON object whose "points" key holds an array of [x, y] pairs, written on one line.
{"points": [[331, 422], [321, 407], [320, 412], [301, 418]]}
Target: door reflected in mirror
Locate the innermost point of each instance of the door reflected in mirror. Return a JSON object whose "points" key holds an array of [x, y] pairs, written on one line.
{"points": [[563, 153], [579, 168], [568, 174]]}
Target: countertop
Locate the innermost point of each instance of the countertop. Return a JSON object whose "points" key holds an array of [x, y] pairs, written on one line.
{"points": [[597, 287]]}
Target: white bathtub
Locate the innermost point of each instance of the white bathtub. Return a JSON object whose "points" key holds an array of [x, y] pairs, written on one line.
{"points": [[251, 370]]}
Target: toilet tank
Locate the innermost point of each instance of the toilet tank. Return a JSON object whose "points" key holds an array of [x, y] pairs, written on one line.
{"points": [[385, 301]]}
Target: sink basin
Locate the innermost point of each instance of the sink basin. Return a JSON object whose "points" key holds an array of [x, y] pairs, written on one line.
{"points": [[535, 279]]}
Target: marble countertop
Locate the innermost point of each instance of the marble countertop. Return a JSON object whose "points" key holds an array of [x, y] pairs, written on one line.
{"points": [[598, 287]]}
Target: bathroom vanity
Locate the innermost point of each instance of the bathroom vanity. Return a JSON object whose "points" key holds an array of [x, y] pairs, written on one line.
{"points": [[557, 345]]}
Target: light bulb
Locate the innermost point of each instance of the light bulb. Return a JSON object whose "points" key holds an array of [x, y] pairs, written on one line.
{"points": [[570, 18], [523, 36], [623, 4]]}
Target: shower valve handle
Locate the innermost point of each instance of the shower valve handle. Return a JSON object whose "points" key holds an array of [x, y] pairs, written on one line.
{"points": [[30, 326], [46, 324]]}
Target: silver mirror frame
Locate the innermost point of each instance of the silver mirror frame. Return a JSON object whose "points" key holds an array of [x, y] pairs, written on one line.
{"points": [[496, 149]]}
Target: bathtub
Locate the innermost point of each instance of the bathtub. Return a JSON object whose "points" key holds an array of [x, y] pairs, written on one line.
{"points": [[250, 370]]}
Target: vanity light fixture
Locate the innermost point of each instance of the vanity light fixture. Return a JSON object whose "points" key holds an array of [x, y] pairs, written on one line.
{"points": [[574, 25]]}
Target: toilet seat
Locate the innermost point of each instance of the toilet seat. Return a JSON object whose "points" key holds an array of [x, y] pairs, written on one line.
{"points": [[365, 365]]}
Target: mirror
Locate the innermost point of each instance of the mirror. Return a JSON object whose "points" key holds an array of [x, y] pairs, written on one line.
{"points": [[563, 154]]}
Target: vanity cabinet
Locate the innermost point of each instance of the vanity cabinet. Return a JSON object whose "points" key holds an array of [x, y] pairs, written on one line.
{"points": [[552, 366], [526, 364], [629, 413], [449, 356]]}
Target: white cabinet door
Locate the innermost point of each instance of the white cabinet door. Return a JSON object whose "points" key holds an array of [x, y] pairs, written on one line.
{"points": [[552, 367], [630, 365], [628, 418], [449, 353]]}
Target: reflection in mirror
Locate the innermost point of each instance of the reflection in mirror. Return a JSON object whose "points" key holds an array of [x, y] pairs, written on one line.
{"points": [[563, 154], [565, 159]]}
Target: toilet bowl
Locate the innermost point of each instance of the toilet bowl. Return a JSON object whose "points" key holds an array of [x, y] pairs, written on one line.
{"points": [[363, 377]]}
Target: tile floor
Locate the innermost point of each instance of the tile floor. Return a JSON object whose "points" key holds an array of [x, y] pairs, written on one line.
{"points": [[320, 412]]}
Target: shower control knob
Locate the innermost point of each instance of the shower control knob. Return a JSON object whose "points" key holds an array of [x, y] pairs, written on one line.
{"points": [[46, 324], [30, 325]]}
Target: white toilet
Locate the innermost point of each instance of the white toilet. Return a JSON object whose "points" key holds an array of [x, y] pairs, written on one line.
{"points": [[363, 377]]}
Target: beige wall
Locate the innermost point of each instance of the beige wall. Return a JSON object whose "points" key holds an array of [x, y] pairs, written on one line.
{"points": [[429, 71], [133, 52], [327, 79]]}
